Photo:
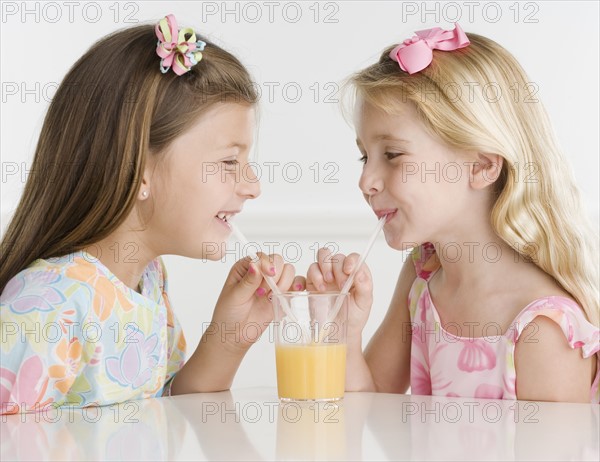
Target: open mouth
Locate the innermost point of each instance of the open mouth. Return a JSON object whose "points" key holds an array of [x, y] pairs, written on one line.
{"points": [[224, 217]]}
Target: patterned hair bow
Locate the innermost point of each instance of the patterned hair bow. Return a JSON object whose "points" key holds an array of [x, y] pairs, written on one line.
{"points": [[178, 49], [416, 53]]}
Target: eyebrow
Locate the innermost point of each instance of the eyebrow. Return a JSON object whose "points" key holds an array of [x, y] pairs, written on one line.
{"points": [[242, 146], [386, 137]]}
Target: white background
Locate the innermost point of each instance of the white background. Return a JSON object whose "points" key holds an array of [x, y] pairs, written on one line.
{"points": [[286, 45]]}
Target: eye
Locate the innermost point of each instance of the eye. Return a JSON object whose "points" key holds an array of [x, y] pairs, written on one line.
{"points": [[230, 164], [362, 159], [392, 155]]}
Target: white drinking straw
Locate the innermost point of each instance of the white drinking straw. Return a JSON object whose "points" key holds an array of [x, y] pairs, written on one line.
{"points": [[270, 282], [361, 260], [240, 237]]}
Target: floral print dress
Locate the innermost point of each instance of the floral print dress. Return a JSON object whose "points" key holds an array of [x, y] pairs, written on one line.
{"points": [[445, 364], [73, 334]]}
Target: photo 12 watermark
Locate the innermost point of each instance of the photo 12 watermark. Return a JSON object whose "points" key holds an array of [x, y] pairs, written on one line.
{"points": [[469, 412], [122, 413], [270, 12], [70, 12], [470, 12], [288, 92]]}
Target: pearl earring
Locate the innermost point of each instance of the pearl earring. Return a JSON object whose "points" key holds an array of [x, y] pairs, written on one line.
{"points": [[145, 193]]}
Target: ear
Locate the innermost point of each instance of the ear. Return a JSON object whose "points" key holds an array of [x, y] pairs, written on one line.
{"points": [[144, 190], [485, 170]]}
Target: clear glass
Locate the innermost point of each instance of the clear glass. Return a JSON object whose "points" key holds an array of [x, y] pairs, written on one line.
{"points": [[310, 345]]}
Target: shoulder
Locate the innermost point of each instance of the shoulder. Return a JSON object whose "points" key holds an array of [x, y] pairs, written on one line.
{"points": [[44, 286], [75, 280], [555, 348], [560, 314], [42, 306]]}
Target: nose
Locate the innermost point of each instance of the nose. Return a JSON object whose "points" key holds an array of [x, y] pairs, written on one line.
{"points": [[249, 184], [370, 183]]}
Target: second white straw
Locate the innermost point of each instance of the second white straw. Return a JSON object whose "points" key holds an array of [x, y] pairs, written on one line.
{"points": [[240, 237], [363, 256]]}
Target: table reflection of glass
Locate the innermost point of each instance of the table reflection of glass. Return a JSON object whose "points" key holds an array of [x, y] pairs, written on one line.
{"points": [[311, 431], [252, 424]]}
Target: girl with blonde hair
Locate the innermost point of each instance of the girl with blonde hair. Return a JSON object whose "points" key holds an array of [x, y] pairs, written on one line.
{"points": [[499, 298]]}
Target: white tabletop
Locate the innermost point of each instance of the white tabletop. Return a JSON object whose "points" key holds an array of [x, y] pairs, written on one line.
{"points": [[250, 424]]}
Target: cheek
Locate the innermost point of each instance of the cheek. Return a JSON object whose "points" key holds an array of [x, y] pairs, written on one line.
{"points": [[206, 198], [405, 183], [438, 180], [217, 187], [206, 184], [189, 200]]}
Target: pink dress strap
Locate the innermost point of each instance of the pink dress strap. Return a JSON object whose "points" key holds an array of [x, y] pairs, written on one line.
{"points": [[425, 260]]}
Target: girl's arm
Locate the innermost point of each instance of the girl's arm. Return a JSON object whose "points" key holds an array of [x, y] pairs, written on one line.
{"points": [[385, 365], [244, 301], [388, 353], [211, 368], [548, 369]]}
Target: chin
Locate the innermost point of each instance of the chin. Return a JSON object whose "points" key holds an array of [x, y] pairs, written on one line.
{"points": [[203, 249], [395, 245], [212, 256], [397, 242], [212, 250]]}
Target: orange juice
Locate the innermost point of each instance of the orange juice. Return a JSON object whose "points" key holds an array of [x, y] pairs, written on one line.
{"points": [[313, 371]]}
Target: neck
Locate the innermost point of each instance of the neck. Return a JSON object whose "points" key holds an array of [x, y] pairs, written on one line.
{"points": [[472, 252], [125, 255]]}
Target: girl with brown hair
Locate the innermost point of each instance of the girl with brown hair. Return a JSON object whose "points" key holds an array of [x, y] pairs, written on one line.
{"points": [[141, 151]]}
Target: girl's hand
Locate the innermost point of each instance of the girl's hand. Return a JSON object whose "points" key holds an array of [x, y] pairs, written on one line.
{"points": [[330, 272], [244, 309]]}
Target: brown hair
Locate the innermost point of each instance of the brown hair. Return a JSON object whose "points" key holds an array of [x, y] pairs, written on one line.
{"points": [[538, 213], [111, 110]]}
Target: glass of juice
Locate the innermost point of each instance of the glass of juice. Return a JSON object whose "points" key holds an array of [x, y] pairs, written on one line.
{"points": [[310, 345]]}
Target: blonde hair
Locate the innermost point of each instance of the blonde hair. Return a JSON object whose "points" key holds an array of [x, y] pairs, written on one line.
{"points": [[112, 110], [539, 212]]}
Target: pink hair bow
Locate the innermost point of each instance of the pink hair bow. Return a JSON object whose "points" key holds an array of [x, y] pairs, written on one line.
{"points": [[178, 49], [416, 53]]}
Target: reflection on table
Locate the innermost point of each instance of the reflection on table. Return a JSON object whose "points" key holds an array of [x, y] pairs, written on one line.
{"points": [[250, 424]]}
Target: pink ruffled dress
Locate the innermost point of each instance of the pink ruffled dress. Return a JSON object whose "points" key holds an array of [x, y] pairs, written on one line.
{"points": [[445, 364]]}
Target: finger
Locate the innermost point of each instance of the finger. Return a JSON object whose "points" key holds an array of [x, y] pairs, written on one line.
{"points": [[238, 271], [324, 261], [299, 283], [249, 283], [338, 269], [314, 277], [271, 266], [350, 263], [288, 273], [363, 287], [268, 263]]}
